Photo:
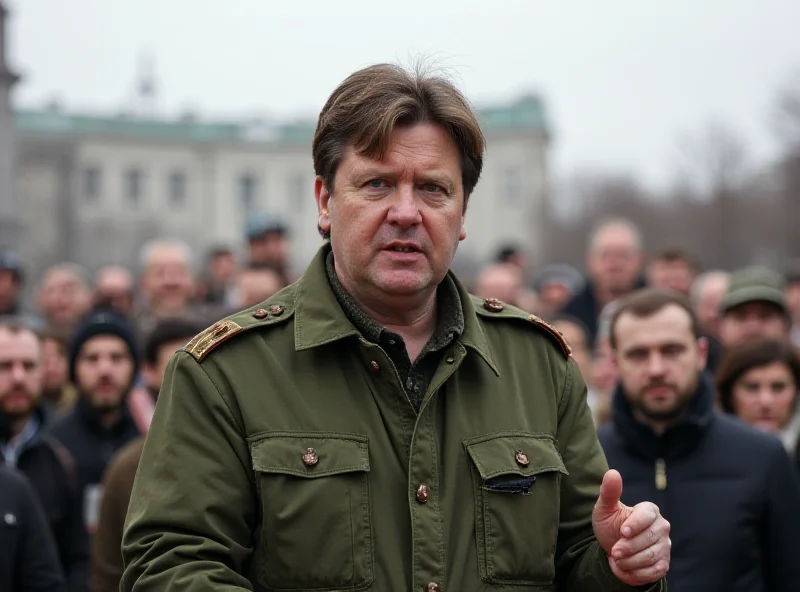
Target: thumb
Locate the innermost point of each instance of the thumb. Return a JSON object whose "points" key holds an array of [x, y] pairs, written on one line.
{"points": [[610, 492]]}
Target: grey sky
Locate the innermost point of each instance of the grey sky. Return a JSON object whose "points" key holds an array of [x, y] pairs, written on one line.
{"points": [[621, 79]]}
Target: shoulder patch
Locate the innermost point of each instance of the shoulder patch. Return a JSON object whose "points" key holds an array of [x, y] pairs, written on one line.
{"points": [[204, 342], [562, 341]]}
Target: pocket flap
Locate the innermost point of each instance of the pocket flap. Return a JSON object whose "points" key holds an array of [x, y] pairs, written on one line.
{"points": [[514, 454], [309, 454]]}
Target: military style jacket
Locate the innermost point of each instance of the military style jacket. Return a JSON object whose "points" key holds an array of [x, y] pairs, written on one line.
{"points": [[284, 455]]}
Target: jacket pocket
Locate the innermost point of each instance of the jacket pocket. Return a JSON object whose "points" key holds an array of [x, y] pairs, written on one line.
{"points": [[316, 530], [517, 485]]}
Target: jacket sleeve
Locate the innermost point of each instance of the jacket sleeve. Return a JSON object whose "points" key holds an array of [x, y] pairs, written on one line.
{"points": [[782, 535], [193, 507], [38, 566], [581, 564]]}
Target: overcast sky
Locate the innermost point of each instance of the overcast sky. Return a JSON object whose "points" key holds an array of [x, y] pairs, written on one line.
{"points": [[622, 79]]}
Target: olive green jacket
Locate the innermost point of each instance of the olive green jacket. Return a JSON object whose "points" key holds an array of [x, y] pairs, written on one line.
{"points": [[284, 455]]}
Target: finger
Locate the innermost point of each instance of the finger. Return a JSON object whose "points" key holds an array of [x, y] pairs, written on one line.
{"points": [[640, 577], [642, 517], [645, 558], [647, 538], [610, 491]]}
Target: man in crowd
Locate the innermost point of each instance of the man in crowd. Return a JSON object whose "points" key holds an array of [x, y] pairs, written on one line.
{"points": [[672, 269], [115, 288], [220, 282], [754, 307], [102, 364], [58, 393], [555, 286], [708, 292], [308, 443], [730, 492], [64, 297], [502, 281], [167, 338], [256, 284], [614, 262], [26, 447], [167, 282], [267, 238]]}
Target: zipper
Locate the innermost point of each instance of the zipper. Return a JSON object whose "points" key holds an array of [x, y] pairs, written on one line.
{"points": [[661, 474]]}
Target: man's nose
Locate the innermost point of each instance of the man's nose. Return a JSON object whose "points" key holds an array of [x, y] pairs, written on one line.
{"points": [[655, 364], [404, 211]]}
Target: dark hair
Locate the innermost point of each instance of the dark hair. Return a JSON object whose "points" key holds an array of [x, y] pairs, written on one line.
{"points": [[369, 104], [506, 253], [739, 360], [167, 331], [647, 302], [676, 255]]}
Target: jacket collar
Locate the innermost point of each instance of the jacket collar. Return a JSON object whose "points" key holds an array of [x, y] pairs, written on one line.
{"points": [[319, 318], [680, 438]]}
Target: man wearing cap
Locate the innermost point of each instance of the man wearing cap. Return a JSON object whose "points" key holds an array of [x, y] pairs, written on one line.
{"points": [[103, 361], [754, 307], [267, 244]]}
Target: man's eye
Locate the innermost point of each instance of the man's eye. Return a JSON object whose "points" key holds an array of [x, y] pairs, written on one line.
{"points": [[376, 183], [432, 188]]}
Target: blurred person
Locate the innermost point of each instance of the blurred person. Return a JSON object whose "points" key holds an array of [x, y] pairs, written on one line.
{"points": [[672, 269], [222, 270], [256, 284], [167, 278], [11, 276], [512, 254], [792, 291], [106, 565], [115, 288], [578, 338], [759, 382], [26, 447], [502, 281], [64, 297], [604, 376], [28, 557], [57, 391], [347, 434], [267, 238], [103, 361], [707, 293], [614, 262], [555, 286], [728, 491], [754, 307]]}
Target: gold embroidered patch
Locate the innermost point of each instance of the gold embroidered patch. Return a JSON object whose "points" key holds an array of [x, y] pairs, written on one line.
{"points": [[562, 341], [203, 343]]}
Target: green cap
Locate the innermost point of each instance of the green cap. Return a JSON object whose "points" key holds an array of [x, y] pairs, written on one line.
{"points": [[755, 284]]}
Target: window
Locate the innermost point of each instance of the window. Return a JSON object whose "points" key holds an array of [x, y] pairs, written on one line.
{"points": [[513, 184], [247, 187], [134, 185], [297, 190], [177, 188], [91, 183]]}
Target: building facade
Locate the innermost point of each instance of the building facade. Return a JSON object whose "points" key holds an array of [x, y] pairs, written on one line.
{"points": [[94, 189]]}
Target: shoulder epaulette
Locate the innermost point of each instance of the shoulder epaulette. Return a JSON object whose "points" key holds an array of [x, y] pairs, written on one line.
{"points": [[492, 307], [263, 315]]}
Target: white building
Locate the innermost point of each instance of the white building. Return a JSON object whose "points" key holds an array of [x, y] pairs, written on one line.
{"points": [[93, 189]]}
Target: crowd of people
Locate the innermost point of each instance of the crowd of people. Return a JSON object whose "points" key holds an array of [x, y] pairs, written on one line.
{"points": [[693, 380]]}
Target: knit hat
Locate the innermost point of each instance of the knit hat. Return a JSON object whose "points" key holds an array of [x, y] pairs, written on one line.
{"points": [[754, 284], [102, 321]]}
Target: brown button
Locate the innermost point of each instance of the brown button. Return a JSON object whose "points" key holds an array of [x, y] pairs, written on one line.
{"points": [[432, 587], [522, 458], [492, 305], [374, 366], [423, 493], [276, 310], [260, 313], [310, 457]]}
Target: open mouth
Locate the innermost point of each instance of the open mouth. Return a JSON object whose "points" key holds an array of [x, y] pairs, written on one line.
{"points": [[398, 249]]}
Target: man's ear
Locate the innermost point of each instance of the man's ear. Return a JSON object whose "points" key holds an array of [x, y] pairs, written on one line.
{"points": [[323, 197]]}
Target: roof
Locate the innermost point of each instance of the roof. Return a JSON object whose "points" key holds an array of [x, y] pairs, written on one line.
{"points": [[526, 114]]}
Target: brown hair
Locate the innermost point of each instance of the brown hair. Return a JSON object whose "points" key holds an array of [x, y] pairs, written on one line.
{"points": [[647, 302], [676, 255], [364, 110], [741, 359]]}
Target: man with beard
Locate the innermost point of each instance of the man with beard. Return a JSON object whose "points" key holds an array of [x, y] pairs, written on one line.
{"points": [[728, 491], [25, 447], [102, 364]]}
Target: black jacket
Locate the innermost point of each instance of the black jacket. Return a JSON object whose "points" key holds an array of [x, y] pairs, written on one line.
{"points": [[51, 471], [729, 492], [28, 559]]}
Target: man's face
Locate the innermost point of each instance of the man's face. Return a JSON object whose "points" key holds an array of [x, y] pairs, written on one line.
{"points": [[154, 375], [104, 372], [395, 224], [256, 285], [55, 365], [554, 296], [20, 373], [269, 248], [659, 362], [672, 275], [502, 281], [64, 298], [168, 280], [766, 397], [222, 268], [115, 286], [753, 320], [614, 261], [709, 304], [9, 290]]}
